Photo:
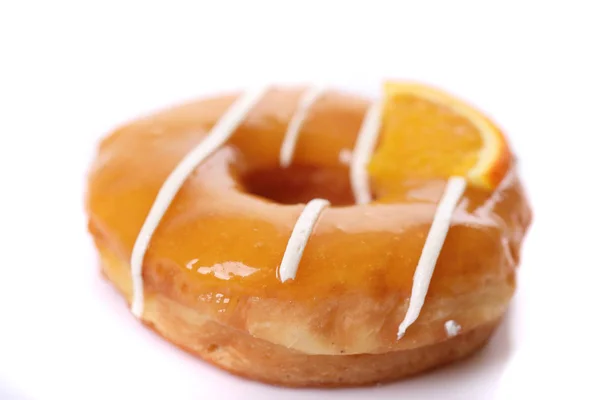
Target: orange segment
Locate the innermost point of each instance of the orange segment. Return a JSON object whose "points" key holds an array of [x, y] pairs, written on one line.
{"points": [[427, 134]]}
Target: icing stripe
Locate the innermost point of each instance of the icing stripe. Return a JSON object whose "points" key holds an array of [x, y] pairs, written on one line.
{"points": [[365, 145], [431, 250], [290, 138], [299, 237], [219, 134]]}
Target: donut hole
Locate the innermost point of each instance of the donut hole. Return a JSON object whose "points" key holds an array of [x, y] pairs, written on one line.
{"points": [[300, 184]]}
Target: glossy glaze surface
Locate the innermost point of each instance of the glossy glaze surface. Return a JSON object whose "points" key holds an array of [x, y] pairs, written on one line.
{"points": [[218, 243]]}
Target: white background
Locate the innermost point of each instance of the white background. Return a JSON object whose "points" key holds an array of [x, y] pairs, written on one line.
{"points": [[70, 72]]}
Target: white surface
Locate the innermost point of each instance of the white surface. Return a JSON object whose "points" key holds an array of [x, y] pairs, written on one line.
{"points": [[71, 72]]}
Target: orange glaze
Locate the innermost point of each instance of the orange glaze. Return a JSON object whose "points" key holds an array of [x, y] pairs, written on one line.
{"points": [[218, 244]]}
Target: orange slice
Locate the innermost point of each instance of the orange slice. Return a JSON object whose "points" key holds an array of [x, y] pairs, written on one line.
{"points": [[428, 133]]}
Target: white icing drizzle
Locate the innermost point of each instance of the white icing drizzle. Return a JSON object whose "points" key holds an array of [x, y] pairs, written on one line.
{"points": [[365, 145], [452, 328], [219, 134], [290, 138], [431, 250], [299, 237]]}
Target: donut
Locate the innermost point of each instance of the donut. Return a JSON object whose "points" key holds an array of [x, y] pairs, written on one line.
{"points": [[312, 237]]}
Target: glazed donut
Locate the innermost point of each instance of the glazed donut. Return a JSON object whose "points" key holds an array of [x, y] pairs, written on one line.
{"points": [[250, 230]]}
